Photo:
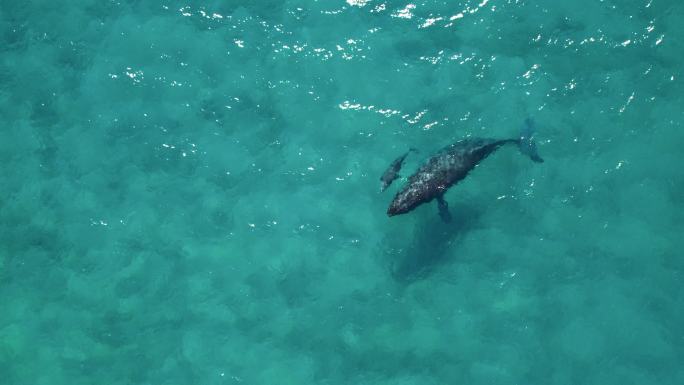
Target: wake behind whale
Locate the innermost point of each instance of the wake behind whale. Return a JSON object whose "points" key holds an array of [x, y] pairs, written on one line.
{"points": [[452, 164]]}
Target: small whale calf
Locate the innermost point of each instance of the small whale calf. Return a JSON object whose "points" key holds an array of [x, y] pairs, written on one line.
{"points": [[449, 166], [392, 171]]}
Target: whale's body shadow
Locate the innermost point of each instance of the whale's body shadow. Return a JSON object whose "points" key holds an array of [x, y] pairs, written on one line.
{"points": [[433, 245]]}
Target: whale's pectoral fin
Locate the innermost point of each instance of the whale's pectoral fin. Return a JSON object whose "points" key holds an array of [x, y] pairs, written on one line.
{"points": [[443, 207], [526, 141]]}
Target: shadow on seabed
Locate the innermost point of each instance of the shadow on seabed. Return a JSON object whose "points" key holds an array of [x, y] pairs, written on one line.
{"points": [[432, 245]]}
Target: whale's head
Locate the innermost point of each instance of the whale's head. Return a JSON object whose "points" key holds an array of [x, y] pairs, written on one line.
{"points": [[405, 201], [396, 208]]}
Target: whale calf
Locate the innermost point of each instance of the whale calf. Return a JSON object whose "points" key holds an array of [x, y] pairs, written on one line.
{"points": [[450, 165], [392, 171]]}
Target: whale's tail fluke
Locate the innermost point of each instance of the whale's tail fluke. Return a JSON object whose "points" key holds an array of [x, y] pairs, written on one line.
{"points": [[526, 141]]}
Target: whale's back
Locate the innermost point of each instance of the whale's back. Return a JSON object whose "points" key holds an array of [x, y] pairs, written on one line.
{"points": [[441, 171]]}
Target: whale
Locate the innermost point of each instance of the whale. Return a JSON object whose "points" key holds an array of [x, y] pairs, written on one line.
{"points": [[392, 172], [452, 164]]}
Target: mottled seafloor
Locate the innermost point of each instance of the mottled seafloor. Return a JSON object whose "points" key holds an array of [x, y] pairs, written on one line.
{"points": [[189, 193]]}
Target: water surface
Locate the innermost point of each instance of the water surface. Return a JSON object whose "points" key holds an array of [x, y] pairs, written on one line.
{"points": [[190, 193]]}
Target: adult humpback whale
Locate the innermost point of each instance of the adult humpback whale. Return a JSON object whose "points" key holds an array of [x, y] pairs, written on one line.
{"points": [[451, 164]]}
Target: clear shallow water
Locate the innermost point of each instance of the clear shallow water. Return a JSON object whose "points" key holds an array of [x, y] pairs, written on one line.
{"points": [[190, 193]]}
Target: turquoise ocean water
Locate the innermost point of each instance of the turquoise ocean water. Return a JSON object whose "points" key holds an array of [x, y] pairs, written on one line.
{"points": [[189, 192]]}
